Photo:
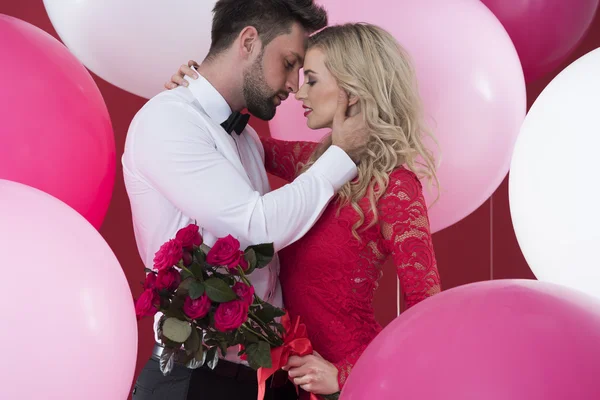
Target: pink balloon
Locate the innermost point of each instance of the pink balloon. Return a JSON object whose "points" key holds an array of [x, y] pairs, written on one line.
{"points": [[494, 340], [68, 322], [56, 134], [472, 86], [544, 31]]}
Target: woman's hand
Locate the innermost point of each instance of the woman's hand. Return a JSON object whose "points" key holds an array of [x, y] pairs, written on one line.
{"points": [[184, 70], [313, 373]]}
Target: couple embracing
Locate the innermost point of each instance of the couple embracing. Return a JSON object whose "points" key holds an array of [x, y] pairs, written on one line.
{"points": [[352, 201]]}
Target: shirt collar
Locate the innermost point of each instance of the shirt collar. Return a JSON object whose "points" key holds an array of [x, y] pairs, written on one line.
{"points": [[209, 98]]}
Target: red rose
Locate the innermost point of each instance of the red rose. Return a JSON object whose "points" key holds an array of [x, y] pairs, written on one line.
{"points": [[150, 281], [231, 315], [243, 262], [189, 236], [198, 308], [168, 279], [168, 255], [187, 258], [147, 304], [226, 252], [244, 292]]}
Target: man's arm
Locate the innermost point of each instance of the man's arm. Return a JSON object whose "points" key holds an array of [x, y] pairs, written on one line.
{"points": [[177, 157]]}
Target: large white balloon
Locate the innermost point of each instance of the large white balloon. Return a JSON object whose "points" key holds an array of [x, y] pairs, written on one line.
{"points": [[554, 184], [134, 44]]}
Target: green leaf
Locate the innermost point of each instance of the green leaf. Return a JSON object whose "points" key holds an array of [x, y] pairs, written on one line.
{"points": [[184, 286], [250, 256], [176, 330], [183, 357], [268, 313], [165, 303], [223, 346], [199, 256], [178, 302], [149, 271], [264, 254], [196, 289], [203, 323], [279, 328], [229, 279], [228, 337], [211, 338], [184, 275], [212, 357], [167, 361], [250, 337], [259, 355], [204, 248], [175, 309], [197, 270], [219, 291], [211, 342], [193, 342], [169, 343], [236, 338]]}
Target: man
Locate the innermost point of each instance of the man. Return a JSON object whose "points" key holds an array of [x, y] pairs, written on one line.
{"points": [[189, 156]]}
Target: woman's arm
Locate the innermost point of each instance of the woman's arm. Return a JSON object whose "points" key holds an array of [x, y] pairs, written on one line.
{"points": [[285, 159], [405, 227]]}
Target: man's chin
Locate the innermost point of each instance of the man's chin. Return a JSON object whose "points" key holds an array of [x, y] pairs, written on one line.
{"points": [[265, 115]]}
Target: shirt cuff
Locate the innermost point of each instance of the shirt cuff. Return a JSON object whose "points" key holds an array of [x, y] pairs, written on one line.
{"points": [[336, 166]]}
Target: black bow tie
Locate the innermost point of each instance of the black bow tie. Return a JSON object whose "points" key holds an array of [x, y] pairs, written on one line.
{"points": [[236, 122]]}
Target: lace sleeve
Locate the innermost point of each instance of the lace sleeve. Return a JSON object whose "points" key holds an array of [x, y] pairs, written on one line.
{"points": [[345, 366], [284, 159], [405, 228]]}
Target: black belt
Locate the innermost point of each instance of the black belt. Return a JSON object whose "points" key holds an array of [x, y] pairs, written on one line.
{"points": [[228, 369]]}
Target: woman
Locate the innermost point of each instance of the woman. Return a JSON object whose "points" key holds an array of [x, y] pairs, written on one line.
{"points": [[329, 276]]}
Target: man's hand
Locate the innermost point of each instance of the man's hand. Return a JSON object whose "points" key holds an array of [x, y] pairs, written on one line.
{"points": [[313, 373], [349, 132]]}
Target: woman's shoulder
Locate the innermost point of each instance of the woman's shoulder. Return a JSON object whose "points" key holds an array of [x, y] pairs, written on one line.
{"points": [[404, 192], [404, 179]]}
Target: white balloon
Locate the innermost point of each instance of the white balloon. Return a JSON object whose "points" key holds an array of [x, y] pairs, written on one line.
{"points": [[134, 44], [554, 184]]}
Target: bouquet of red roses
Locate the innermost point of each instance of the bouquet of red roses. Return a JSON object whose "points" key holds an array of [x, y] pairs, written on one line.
{"points": [[208, 303]]}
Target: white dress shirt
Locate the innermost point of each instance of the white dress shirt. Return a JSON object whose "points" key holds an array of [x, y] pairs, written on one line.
{"points": [[181, 166]]}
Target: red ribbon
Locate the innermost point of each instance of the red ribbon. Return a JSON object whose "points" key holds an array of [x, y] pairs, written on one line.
{"points": [[295, 343]]}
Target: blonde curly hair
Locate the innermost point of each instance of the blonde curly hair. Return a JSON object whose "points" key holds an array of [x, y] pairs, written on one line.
{"points": [[370, 64]]}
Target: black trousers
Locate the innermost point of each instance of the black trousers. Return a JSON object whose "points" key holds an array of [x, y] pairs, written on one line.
{"points": [[205, 384]]}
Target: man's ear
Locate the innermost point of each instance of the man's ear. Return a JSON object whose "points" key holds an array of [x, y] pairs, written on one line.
{"points": [[249, 41]]}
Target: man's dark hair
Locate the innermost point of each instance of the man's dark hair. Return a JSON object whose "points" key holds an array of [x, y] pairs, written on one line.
{"points": [[271, 18]]}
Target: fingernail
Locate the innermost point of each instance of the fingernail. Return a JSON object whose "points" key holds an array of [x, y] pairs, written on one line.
{"points": [[195, 76], [185, 83]]}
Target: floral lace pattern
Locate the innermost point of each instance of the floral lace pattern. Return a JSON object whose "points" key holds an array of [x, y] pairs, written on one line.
{"points": [[329, 277]]}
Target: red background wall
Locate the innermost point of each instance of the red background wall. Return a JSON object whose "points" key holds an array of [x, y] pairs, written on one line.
{"points": [[481, 247]]}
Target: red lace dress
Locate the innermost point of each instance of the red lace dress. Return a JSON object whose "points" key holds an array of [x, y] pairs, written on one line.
{"points": [[328, 277]]}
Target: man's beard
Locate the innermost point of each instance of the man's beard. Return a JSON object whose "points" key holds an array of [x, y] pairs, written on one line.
{"points": [[258, 95]]}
